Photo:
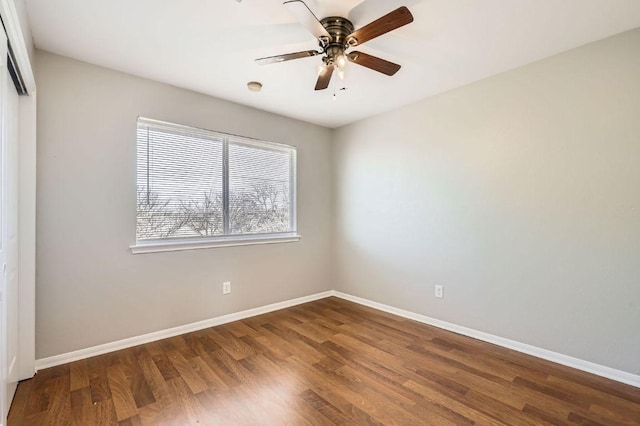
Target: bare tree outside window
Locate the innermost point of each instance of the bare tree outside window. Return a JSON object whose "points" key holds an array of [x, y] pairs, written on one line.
{"points": [[204, 216], [154, 219], [264, 210]]}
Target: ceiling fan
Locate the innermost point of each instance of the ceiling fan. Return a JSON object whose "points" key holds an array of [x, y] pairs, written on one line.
{"points": [[336, 35]]}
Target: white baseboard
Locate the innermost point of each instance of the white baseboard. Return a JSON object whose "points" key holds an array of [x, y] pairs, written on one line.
{"points": [[170, 332], [589, 367]]}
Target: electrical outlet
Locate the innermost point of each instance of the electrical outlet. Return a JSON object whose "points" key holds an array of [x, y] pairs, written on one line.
{"points": [[226, 287], [440, 291]]}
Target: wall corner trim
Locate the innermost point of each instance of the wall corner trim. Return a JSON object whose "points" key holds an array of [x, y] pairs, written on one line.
{"points": [[579, 364], [558, 358]]}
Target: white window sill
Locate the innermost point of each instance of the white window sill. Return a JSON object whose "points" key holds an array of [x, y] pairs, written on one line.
{"points": [[193, 244]]}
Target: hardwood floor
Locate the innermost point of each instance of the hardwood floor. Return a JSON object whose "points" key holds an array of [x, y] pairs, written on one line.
{"points": [[324, 362]]}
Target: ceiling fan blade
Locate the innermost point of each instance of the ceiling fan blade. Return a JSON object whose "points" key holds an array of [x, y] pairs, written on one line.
{"points": [[286, 57], [307, 18], [389, 22], [324, 78], [373, 62], [368, 10]]}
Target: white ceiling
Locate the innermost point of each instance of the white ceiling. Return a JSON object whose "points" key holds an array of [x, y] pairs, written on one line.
{"points": [[209, 46]]}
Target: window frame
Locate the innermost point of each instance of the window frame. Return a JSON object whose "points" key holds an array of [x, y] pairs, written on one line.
{"points": [[227, 239]]}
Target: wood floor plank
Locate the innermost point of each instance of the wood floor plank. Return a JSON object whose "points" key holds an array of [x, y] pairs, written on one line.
{"points": [[79, 372], [161, 414], [21, 398], [233, 345], [156, 382], [216, 363], [324, 407], [81, 413], [321, 363], [60, 403], [104, 413], [434, 397], [131, 421], [361, 394], [223, 408], [212, 379], [191, 407], [121, 395], [597, 397], [545, 415], [98, 382], [406, 399], [41, 418], [141, 390], [38, 399], [167, 369], [187, 372], [234, 368]]}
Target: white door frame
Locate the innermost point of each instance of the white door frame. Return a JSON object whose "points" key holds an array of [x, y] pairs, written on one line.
{"points": [[26, 204], [26, 190], [5, 197], [10, 229]]}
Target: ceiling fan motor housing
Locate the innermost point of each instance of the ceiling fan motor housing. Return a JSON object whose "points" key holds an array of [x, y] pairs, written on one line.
{"points": [[339, 29]]}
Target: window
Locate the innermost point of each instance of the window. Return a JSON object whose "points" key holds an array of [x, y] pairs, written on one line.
{"points": [[199, 188]]}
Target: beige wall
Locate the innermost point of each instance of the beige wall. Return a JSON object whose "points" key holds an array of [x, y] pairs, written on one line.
{"points": [[90, 288], [520, 194]]}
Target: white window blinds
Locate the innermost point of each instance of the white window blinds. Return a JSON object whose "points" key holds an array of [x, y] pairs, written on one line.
{"points": [[194, 183]]}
